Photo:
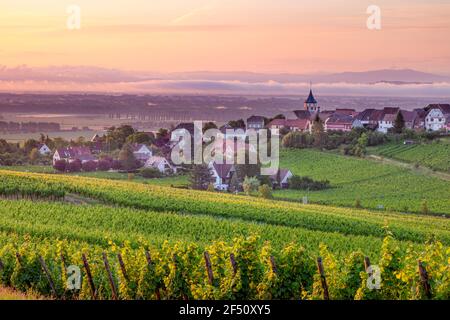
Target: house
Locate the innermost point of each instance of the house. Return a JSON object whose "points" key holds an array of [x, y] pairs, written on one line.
{"points": [[436, 116], [386, 123], [256, 122], [410, 118], [281, 178], [222, 174], [369, 118], [141, 152], [96, 138], [160, 163], [290, 124], [71, 154], [43, 149], [339, 122]]}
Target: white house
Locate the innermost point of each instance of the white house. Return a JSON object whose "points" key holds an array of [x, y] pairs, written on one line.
{"points": [[159, 163], [281, 178], [222, 174], [44, 150], [71, 154], [142, 152], [436, 117], [386, 123]]}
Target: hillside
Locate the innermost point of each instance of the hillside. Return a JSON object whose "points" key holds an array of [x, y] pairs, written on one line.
{"points": [[435, 155], [176, 225], [373, 183]]}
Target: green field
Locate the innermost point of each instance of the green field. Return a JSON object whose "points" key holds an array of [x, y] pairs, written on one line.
{"points": [[129, 216], [434, 155], [373, 183]]}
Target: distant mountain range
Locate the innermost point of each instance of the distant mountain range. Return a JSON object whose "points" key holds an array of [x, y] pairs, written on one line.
{"points": [[83, 74]]}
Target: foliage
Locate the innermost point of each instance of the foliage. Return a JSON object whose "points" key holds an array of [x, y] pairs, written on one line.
{"points": [[265, 191], [306, 183], [200, 177], [250, 185]]}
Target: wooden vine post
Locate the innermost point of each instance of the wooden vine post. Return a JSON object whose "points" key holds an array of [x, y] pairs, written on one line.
{"points": [[122, 266], [89, 276], [110, 277], [149, 262], [19, 258], [209, 267], [424, 279], [233, 263], [323, 279], [2, 266], [273, 265], [48, 275]]}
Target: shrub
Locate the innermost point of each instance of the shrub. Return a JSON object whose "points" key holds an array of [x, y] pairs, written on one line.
{"points": [[250, 185], [74, 166], [265, 192], [211, 187], [150, 173], [358, 203], [306, 183], [116, 165], [60, 165], [89, 166], [104, 165]]}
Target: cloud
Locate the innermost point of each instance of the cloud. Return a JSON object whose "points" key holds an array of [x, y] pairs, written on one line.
{"points": [[441, 89]]}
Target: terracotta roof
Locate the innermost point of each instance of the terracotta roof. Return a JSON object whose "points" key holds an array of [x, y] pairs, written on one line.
{"points": [[409, 116], [391, 110], [302, 114], [339, 119], [445, 108], [389, 117]]}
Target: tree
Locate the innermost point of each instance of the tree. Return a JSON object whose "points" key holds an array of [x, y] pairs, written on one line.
{"points": [[200, 177], [318, 131], [141, 138], [399, 123], [104, 165], [247, 170], [250, 185], [162, 133], [74, 166], [360, 148], [34, 156], [237, 124], [234, 183], [30, 144], [126, 158], [209, 125], [89, 166], [265, 192], [60, 165]]}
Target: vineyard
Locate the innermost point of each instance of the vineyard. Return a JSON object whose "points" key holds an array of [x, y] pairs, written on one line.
{"points": [[243, 269], [154, 242], [434, 155], [375, 185]]}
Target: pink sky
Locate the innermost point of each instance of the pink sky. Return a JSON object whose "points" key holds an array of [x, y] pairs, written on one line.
{"points": [[294, 36]]}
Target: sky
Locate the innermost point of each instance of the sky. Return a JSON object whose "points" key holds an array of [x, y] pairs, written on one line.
{"points": [[271, 36]]}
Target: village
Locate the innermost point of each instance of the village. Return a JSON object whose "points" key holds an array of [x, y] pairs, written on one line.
{"points": [[124, 149]]}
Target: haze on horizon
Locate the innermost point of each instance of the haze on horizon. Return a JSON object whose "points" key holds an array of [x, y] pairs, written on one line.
{"points": [[294, 36]]}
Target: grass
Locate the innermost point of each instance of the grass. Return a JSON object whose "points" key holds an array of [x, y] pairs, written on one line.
{"points": [[11, 294], [175, 181], [373, 183], [434, 155]]}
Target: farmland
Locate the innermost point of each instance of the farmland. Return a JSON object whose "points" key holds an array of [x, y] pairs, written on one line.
{"points": [[182, 221], [374, 184], [435, 155]]}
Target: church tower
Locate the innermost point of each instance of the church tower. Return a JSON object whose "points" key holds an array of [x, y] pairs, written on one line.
{"points": [[311, 103]]}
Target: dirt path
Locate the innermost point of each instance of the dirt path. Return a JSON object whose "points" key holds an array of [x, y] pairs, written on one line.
{"points": [[418, 169]]}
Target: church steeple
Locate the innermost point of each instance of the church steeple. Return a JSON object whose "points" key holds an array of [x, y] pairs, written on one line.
{"points": [[311, 102]]}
